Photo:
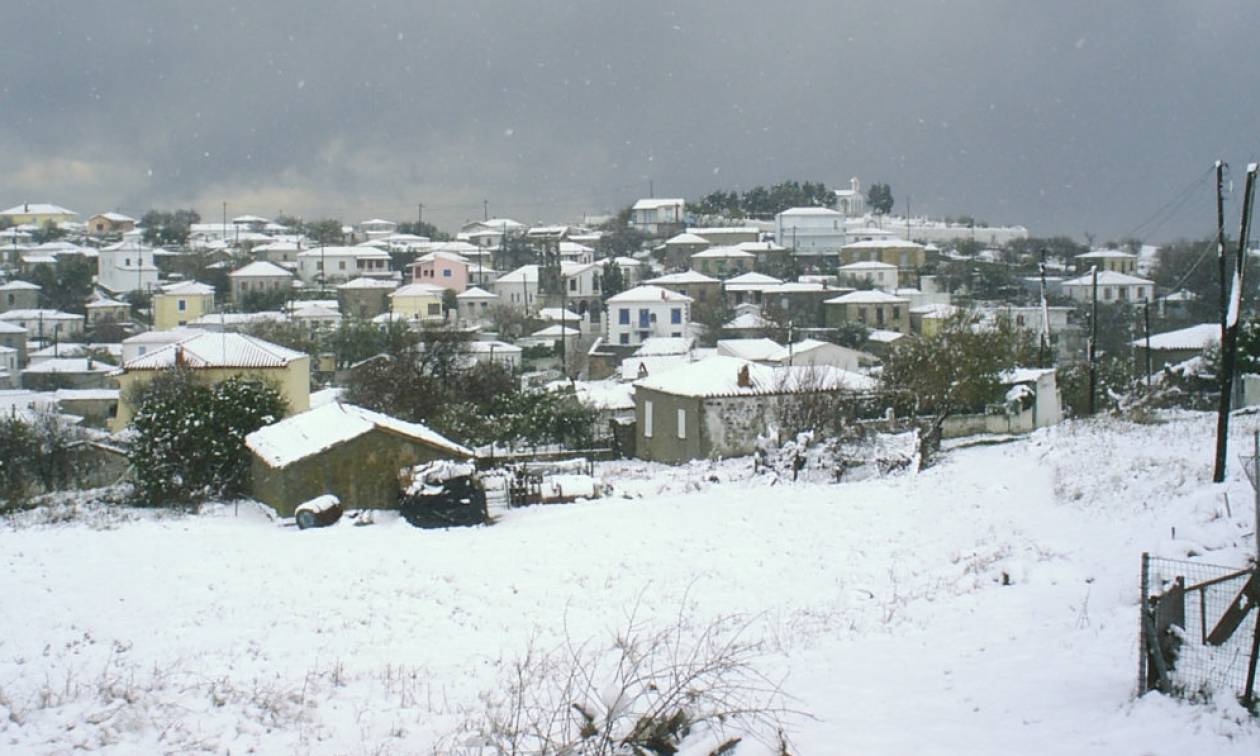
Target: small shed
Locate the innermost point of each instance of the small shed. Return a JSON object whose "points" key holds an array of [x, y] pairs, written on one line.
{"points": [[348, 451]]}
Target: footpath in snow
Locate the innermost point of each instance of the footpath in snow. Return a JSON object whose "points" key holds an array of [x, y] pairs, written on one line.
{"points": [[987, 605]]}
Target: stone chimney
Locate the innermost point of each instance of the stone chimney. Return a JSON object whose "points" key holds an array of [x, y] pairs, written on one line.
{"points": [[743, 379]]}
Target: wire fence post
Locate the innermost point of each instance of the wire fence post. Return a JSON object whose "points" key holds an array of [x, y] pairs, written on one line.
{"points": [[1143, 639]]}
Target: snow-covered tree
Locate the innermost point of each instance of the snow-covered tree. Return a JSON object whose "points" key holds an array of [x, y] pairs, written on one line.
{"points": [[190, 437]]}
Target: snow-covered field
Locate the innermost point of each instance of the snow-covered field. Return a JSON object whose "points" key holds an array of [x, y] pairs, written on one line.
{"points": [[986, 605]]}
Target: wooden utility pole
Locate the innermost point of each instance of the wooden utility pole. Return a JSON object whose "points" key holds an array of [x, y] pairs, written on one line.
{"points": [[1093, 340], [1229, 339], [420, 212], [1220, 243], [1146, 317], [1045, 314]]}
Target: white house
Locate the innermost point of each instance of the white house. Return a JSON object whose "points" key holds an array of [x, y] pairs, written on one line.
{"points": [[812, 231], [475, 304], [1112, 287], [657, 216], [342, 263], [646, 311], [127, 266], [377, 228], [46, 324], [519, 289], [878, 274]]}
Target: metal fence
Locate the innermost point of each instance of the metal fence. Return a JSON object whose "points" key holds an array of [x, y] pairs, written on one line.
{"points": [[1198, 629]]}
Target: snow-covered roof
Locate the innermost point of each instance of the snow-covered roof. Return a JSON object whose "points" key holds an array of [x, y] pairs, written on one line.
{"points": [[70, 365], [749, 349], [555, 332], [490, 346], [884, 242], [441, 254], [884, 337], [573, 248], [867, 265], [360, 253], [653, 204], [1193, 337], [1024, 375], [52, 316], [720, 375], [188, 288], [20, 286], [364, 282], [71, 395], [690, 277], [169, 336], [702, 230], [795, 287], [104, 302], [648, 293], [751, 281], [1106, 254], [116, 217], [10, 328], [821, 211], [207, 350], [656, 346], [476, 292], [1108, 278], [761, 246], [260, 269], [308, 433], [937, 310], [686, 238], [556, 315], [874, 296], [724, 252], [746, 321], [600, 395], [37, 208], [418, 290]]}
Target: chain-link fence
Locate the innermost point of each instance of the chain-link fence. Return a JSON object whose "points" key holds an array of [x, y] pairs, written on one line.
{"points": [[1198, 632]]}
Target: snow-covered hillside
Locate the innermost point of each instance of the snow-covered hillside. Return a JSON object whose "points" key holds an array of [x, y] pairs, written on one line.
{"points": [[986, 605]]}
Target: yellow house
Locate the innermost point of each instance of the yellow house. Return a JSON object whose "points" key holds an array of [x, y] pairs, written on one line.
{"points": [[873, 309], [180, 304], [37, 214], [215, 357], [417, 300]]}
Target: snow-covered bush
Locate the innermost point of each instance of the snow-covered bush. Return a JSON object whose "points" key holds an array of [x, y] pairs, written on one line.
{"points": [[647, 692], [35, 456], [190, 437]]}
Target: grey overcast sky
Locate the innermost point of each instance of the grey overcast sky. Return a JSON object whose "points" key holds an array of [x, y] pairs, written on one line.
{"points": [[1066, 116]]}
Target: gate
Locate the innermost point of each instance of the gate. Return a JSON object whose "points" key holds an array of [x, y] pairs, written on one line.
{"points": [[1199, 629]]}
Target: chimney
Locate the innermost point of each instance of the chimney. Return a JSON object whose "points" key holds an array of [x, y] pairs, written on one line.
{"points": [[179, 355], [742, 379]]}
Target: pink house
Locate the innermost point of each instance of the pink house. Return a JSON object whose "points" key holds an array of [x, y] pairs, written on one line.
{"points": [[445, 269]]}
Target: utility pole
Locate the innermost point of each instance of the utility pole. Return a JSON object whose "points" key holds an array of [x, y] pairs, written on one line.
{"points": [[651, 189], [1220, 242], [1229, 340], [485, 209], [1146, 317], [420, 212], [1093, 340], [223, 230], [1045, 313]]}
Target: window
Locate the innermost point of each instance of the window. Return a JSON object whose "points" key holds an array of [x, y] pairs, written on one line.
{"points": [[623, 316], [572, 284], [446, 273], [682, 423], [879, 316], [435, 309], [623, 338], [896, 313], [862, 314], [647, 419], [341, 265], [675, 315], [126, 262], [645, 317], [181, 305], [1107, 293]]}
